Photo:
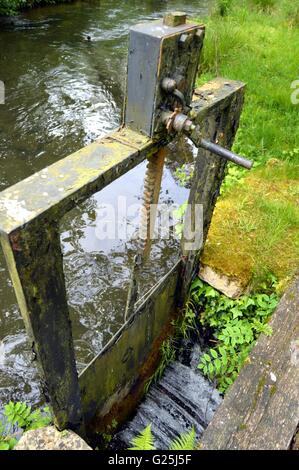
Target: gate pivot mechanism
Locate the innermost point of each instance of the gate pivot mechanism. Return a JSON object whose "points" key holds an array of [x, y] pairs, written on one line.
{"points": [[162, 67], [179, 122], [169, 47]]}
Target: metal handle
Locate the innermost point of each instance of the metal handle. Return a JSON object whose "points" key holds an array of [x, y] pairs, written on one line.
{"points": [[225, 153], [178, 122]]}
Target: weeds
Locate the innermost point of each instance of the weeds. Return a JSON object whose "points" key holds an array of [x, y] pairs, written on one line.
{"points": [[265, 5], [236, 324], [168, 353], [249, 45], [145, 441]]}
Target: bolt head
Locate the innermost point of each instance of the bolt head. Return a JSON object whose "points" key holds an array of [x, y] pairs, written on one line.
{"points": [[168, 84], [175, 18], [185, 39]]}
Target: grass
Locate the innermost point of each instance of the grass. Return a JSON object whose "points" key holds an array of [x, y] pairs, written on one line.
{"points": [[255, 227]]}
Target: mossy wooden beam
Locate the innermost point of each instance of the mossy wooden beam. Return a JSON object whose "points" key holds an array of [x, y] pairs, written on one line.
{"points": [[55, 190], [34, 260]]}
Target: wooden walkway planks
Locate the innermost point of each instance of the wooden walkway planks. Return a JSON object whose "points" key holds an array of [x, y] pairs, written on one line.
{"points": [[261, 409]]}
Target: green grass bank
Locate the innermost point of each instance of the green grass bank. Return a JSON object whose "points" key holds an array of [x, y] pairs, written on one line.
{"points": [[254, 232], [255, 228]]}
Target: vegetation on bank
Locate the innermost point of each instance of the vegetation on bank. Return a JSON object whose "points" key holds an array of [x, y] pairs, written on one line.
{"points": [[12, 7], [19, 417], [231, 327], [254, 231]]}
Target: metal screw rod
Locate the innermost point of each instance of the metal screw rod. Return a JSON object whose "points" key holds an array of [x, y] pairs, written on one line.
{"points": [[225, 153]]}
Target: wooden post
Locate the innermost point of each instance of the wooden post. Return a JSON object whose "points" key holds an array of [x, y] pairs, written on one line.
{"points": [[34, 260], [220, 126]]}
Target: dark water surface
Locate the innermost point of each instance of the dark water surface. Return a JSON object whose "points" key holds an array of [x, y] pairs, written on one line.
{"points": [[62, 92]]}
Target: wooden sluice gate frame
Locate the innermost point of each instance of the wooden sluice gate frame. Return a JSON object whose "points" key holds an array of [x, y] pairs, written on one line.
{"points": [[30, 212]]}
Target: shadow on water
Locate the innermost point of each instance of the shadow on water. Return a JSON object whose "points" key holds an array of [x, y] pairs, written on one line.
{"points": [[63, 69]]}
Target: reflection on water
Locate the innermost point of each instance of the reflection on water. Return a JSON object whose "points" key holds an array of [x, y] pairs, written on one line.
{"points": [[64, 70]]}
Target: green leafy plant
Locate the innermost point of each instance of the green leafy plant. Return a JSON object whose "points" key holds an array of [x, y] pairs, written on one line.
{"points": [[187, 323], [179, 214], [107, 436], [145, 441], [7, 443], [19, 415], [292, 154], [235, 325], [234, 175], [185, 441], [184, 174]]}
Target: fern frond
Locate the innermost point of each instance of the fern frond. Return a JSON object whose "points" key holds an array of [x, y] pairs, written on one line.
{"points": [[144, 441], [184, 441]]}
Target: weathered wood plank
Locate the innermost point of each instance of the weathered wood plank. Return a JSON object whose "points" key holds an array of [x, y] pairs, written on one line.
{"points": [[261, 409]]}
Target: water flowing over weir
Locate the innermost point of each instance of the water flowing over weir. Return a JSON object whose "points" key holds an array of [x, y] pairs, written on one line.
{"points": [[183, 399], [63, 91]]}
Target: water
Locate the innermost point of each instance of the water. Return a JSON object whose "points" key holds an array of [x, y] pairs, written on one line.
{"points": [[63, 91], [171, 408]]}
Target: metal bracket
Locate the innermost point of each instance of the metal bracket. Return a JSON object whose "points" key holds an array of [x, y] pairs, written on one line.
{"points": [[178, 122], [165, 80]]}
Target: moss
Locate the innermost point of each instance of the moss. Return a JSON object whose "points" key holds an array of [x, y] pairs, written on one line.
{"points": [[242, 427], [260, 387], [255, 233], [273, 390]]}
